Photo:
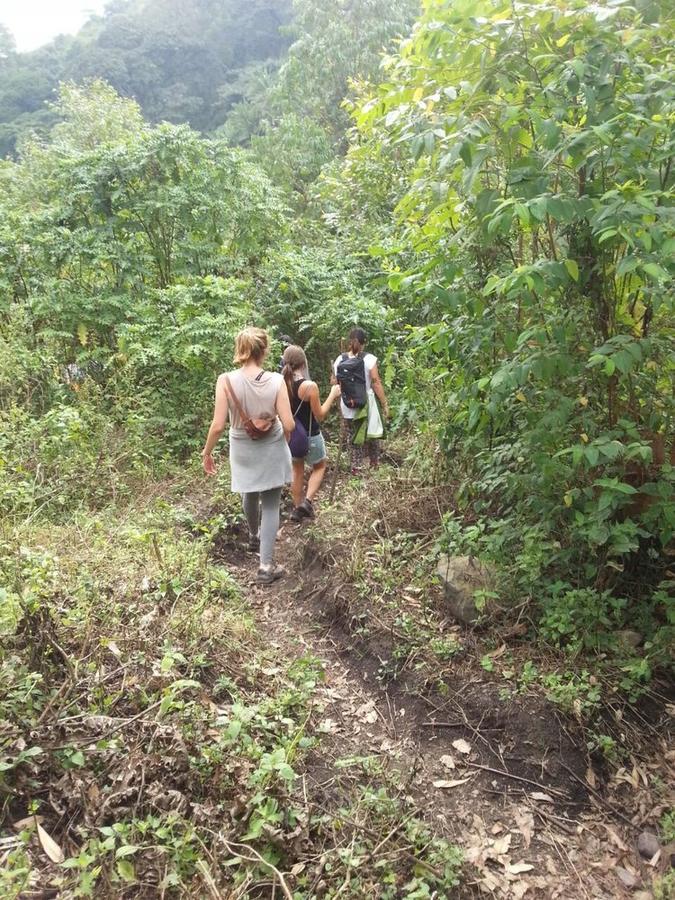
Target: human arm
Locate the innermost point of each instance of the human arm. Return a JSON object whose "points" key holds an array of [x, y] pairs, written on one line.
{"points": [[217, 426], [283, 409], [309, 391], [378, 388]]}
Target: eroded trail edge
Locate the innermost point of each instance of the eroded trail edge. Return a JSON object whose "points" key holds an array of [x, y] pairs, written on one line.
{"points": [[507, 779]]}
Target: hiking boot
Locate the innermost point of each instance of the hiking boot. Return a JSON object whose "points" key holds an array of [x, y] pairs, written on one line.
{"points": [[269, 576], [307, 508], [297, 514], [253, 545]]}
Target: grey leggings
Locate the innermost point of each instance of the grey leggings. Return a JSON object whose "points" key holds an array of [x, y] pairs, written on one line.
{"points": [[262, 514]]}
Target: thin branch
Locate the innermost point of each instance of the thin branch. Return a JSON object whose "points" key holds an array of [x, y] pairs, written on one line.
{"points": [[260, 860]]}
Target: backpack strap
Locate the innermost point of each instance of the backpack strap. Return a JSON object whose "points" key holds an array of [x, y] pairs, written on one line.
{"points": [[300, 402], [235, 400], [311, 414]]}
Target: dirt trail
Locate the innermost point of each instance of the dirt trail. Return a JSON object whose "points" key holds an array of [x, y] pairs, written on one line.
{"points": [[540, 831]]}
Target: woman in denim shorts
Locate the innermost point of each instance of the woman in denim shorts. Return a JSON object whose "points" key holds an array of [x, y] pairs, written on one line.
{"points": [[307, 408]]}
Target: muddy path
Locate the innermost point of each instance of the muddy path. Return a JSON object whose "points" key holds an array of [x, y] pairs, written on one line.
{"points": [[507, 780]]}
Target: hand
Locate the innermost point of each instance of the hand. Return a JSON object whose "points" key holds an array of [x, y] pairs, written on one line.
{"points": [[335, 391], [386, 412], [208, 463]]}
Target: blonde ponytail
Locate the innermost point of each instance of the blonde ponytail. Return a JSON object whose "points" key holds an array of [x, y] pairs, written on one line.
{"points": [[251, 343]]}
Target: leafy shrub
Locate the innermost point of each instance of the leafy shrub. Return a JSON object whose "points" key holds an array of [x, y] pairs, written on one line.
{"points": [[581, 618]]}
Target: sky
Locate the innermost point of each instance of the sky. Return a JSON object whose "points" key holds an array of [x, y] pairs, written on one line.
{"points": [[34, 22]]}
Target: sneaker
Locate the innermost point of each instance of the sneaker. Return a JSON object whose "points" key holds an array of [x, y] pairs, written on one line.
{"points": [[253, 545], [297, 514], [268, 576], [307, 508]]}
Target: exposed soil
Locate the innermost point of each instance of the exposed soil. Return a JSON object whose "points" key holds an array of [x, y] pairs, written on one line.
{"points": [[509, 779]]}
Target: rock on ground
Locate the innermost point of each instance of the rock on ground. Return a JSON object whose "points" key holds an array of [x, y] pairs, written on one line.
{"points": [[461, 577]]}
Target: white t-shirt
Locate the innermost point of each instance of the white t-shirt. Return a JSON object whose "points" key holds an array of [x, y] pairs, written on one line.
{"points": [[368, 361]]}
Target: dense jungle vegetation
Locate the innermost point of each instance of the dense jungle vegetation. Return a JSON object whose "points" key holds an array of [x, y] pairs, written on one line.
{"points": [[488, 189]]}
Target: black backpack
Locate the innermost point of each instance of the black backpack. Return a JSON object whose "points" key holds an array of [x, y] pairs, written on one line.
{"points": [[351, 376]]}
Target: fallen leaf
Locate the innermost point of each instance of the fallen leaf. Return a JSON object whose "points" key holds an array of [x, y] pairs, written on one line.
{"points": [[627, 878], [447, 761], [525, 823], [367, 713], [450, 784], [49, 845], [328, 726], [462, 746], [615, 838], [539, 795], [501, 846], [29, 821], [517, 868]]}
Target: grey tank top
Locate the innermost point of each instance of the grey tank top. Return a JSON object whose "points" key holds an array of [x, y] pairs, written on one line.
{"points": [[258, 396]]}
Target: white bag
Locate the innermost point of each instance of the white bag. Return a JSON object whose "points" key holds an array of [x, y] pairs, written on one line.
{"points": [[375, 426]]}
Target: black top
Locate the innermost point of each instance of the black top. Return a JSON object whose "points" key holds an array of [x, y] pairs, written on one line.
{"points": [[302, 411]]}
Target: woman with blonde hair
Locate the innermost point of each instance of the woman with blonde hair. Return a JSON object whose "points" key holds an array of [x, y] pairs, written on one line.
{"points": [[260, 417], [308, 410]]}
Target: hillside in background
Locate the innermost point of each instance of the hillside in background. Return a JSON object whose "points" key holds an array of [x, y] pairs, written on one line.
{"points": [[180, 61]]}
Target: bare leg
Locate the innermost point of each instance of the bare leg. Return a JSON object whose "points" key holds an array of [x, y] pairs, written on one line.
{"points": [[315, 479], [297, 485]]}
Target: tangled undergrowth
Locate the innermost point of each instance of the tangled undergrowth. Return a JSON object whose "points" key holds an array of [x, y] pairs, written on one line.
{"points": [[153, 744], [387, 592]]}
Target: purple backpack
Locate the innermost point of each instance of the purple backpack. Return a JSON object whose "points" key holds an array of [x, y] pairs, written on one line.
{"points": [[299, 439]]}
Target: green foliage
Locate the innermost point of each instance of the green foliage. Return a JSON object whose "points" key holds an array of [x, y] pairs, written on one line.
{"points": [[335, 45], [293, 152], [168, 357], [317, 295], [178, 61], [534, 252], [664, 888], [575, 692], [581, 619], [667, 826], [126, 257]]}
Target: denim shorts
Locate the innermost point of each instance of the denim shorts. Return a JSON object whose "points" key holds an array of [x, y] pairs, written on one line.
{"points": [[316, 452]]}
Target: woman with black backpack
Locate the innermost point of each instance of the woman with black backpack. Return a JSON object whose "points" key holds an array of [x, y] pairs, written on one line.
{"points": [[357, 374], [307, 411]]}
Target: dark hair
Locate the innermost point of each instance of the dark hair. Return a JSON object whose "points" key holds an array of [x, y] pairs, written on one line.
{"points": [[293, 359], [357, 340]]}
